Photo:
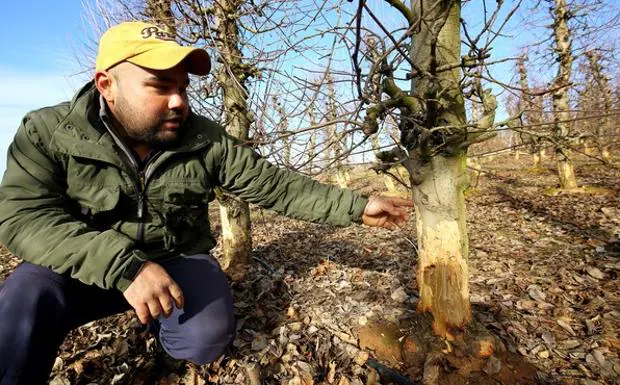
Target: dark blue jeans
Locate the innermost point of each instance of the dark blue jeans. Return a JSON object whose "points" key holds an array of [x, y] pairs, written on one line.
{"points": [[39, 307]]}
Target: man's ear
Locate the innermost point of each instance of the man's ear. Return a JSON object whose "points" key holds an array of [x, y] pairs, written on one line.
{"points": [[105, 83]]}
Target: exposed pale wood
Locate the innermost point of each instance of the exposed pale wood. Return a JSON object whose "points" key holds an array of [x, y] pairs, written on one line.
{"points": [[236, 230], [561, 108]]}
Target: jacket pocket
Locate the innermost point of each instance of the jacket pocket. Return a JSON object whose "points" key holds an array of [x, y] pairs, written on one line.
{"points": [[95, 187], [99, 206], [185, 214]]}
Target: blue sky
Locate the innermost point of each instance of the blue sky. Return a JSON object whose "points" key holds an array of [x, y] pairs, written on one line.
{"points": [[38, 62]]}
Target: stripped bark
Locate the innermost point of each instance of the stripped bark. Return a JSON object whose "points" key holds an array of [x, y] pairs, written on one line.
{"points": [[342, 176], [561, 107], [235, 214], [312, 146], [440, 180]]}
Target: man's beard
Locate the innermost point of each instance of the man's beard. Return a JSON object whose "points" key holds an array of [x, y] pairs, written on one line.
{"points": [[142, 132]]}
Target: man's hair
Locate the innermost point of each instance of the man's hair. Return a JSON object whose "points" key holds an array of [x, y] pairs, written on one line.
{"points": [[114, 73]]}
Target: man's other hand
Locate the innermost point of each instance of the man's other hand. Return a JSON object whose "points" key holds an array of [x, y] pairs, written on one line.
{"points": [[153, 293], [388, 212]]}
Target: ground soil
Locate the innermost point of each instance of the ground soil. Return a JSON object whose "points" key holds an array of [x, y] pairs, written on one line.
{"points": [[544, 268]]}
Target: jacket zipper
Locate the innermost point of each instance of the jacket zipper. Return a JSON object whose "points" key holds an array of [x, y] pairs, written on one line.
{"points": [[143, 180], [140, 184], [141, 199]]}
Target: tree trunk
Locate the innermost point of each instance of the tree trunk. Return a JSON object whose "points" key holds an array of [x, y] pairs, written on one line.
{"points": [[537, 159], [312, 146], [587, 149], [605, 92], [235, 214], [332, 114], [441, 180], [160, 12], [567, 174], [443, 244], [561, 108], [236, 236]]}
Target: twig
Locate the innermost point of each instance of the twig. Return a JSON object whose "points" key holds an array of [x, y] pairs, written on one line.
{"points": [[389, 374], [264, 264]]}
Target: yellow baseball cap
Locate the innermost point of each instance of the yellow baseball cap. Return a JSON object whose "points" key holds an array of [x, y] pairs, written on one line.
{"points": [[148, 46]]}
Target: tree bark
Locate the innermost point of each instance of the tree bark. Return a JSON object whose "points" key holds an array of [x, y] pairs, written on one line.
{"points": [[561, 108], [604, 91], [342, 177], [312, 146], [536, 159], [160, 12], [235, 214], [443, 244], [531, 109], [440, 181], [283, 129]]}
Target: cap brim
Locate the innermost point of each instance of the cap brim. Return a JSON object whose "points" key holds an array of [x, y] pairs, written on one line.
{"points": [[196, 59]]}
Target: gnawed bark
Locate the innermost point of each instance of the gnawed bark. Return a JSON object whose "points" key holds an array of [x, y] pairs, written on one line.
{"points": [[312, 146], [561, 108], [443, 244], [537, 159], [439, 181], [283, 129], [235, 214]]}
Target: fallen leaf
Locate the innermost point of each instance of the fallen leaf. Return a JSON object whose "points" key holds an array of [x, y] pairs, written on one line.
{"points": [[594, 272], [536, 293], [566, 326], [493, 366], [399, 295]]}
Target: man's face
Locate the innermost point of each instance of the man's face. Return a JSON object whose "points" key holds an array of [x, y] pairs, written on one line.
{"points": [[150, 105]]}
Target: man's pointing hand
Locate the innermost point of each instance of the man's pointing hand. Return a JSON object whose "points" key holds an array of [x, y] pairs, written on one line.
{"points": [[388, 212]]}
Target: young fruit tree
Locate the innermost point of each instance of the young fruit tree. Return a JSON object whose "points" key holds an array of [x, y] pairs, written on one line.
{"points": [[434, 136]]}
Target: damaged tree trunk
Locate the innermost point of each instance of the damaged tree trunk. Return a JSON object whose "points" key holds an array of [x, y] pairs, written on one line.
{"points": [[439, 180], [561, 109], [443, 244], [235, 214]]}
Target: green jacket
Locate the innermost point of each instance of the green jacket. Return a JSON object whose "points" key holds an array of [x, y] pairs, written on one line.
{"points": [[71, 200]]}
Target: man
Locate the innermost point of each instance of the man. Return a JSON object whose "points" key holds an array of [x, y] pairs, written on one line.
{"points": [[106, 199]]}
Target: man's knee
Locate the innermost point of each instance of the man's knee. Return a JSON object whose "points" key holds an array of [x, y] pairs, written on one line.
{"points": [[212, 345], [201, 343], [33, 313], [30, 291]]}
